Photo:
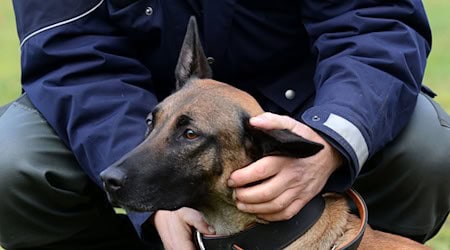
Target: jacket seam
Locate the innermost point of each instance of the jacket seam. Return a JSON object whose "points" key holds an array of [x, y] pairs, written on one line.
{"points": [[61, 23]]}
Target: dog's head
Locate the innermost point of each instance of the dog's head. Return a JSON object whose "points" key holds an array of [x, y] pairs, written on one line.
{"points": [[196, 137]]}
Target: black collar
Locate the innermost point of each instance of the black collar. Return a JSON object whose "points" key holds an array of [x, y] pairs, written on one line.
{"points": [[278, 235]]}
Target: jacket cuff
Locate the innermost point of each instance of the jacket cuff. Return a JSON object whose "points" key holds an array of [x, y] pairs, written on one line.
{"points": [[139, 221], [347, 138]]}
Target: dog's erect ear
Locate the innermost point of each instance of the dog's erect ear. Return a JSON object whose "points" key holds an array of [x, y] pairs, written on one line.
{"points": [[278, 142], [192, 61]]}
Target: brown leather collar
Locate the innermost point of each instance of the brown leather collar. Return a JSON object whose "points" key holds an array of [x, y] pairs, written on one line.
{"points": [[363, 216], [278, 235]]}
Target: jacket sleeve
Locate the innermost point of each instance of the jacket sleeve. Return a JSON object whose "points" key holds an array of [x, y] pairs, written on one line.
{"points": [[86, 78], [371, 57]]}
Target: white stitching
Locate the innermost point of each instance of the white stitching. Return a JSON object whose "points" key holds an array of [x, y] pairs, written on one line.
{"points": [[60, 23]]}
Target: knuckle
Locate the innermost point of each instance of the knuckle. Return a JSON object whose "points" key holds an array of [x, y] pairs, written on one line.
{"points": [[297, 175], [288, 214], [289, 122], [186, 214], [261, 171], [280, 205], [286, 118], [267, 194]]}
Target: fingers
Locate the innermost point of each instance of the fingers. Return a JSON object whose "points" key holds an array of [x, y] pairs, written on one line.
{"points": [[174, 227], [257, 171], [291, 183], [279, 197], [269, 121], [285, 178], [168, 225], [275, 205], [284, 214], [195, 219]]}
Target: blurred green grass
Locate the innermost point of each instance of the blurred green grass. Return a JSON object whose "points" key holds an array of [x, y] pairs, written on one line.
{"points": [[437, 74], [9, 54]]}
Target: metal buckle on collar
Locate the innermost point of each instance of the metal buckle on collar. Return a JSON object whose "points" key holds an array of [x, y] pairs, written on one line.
{"points": [[201, 245], [199, 240]]}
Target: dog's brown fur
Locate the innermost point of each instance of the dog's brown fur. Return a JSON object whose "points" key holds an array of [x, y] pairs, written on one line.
{"points": [[168, 171]]}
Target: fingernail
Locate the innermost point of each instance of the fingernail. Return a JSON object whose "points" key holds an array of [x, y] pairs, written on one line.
{"points": [[231, 183], [256, 119], [211, 230], [240, 206]]}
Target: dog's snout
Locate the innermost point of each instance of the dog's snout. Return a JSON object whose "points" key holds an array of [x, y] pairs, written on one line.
{"points": [[113, 179]]}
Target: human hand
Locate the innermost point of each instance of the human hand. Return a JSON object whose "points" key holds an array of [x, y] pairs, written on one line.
{"points": [[174, 227], [287, 184]]}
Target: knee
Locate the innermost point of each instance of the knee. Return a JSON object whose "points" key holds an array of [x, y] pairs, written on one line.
{"points": [[13, 154], [15, 177], [17, 142], [427, 161], [14, 186], [35, 194], [23, 141], [424, 145]]}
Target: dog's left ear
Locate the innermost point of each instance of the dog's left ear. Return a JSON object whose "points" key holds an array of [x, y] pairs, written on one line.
{"points": [[261, 143], [192, 61]]}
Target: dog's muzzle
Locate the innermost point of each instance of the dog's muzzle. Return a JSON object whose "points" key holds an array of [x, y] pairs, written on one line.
{"points": [[113, 181]]}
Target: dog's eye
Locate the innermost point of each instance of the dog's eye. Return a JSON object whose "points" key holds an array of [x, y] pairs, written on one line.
{"points": [[149, 119], [149, 122], [190, 134]]}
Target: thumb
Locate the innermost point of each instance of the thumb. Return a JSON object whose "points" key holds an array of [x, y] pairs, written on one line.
{"points": [[271, 121], [196, 220]]}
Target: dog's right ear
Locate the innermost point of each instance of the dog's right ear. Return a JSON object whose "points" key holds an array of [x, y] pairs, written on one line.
{"points": [[192, 61], [281, 142], [260, 143]]}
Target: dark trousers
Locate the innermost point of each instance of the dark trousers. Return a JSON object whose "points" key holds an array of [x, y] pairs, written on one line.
{"points": [[47, 202], [407, 185]]}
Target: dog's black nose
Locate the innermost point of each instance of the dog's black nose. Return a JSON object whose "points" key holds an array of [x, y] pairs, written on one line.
{"points": [[113, 179]]}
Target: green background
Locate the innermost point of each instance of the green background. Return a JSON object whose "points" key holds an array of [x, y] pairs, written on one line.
{"points": [[437, 73]]}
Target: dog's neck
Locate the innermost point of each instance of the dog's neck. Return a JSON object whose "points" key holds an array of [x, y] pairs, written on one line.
{"points": [[226, 218]]}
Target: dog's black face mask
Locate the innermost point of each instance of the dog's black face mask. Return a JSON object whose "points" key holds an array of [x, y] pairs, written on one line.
{"points": [[196, 138], [165, 175]]}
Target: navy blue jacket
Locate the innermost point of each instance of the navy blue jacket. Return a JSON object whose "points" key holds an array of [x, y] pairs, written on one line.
{"points": [[349, 69]]}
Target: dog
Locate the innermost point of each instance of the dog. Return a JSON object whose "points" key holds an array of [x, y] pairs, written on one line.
{"points": [[197, 137]]}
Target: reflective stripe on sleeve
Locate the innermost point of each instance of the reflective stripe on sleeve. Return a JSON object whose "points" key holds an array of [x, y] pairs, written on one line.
{"points": [[350, 133]]}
